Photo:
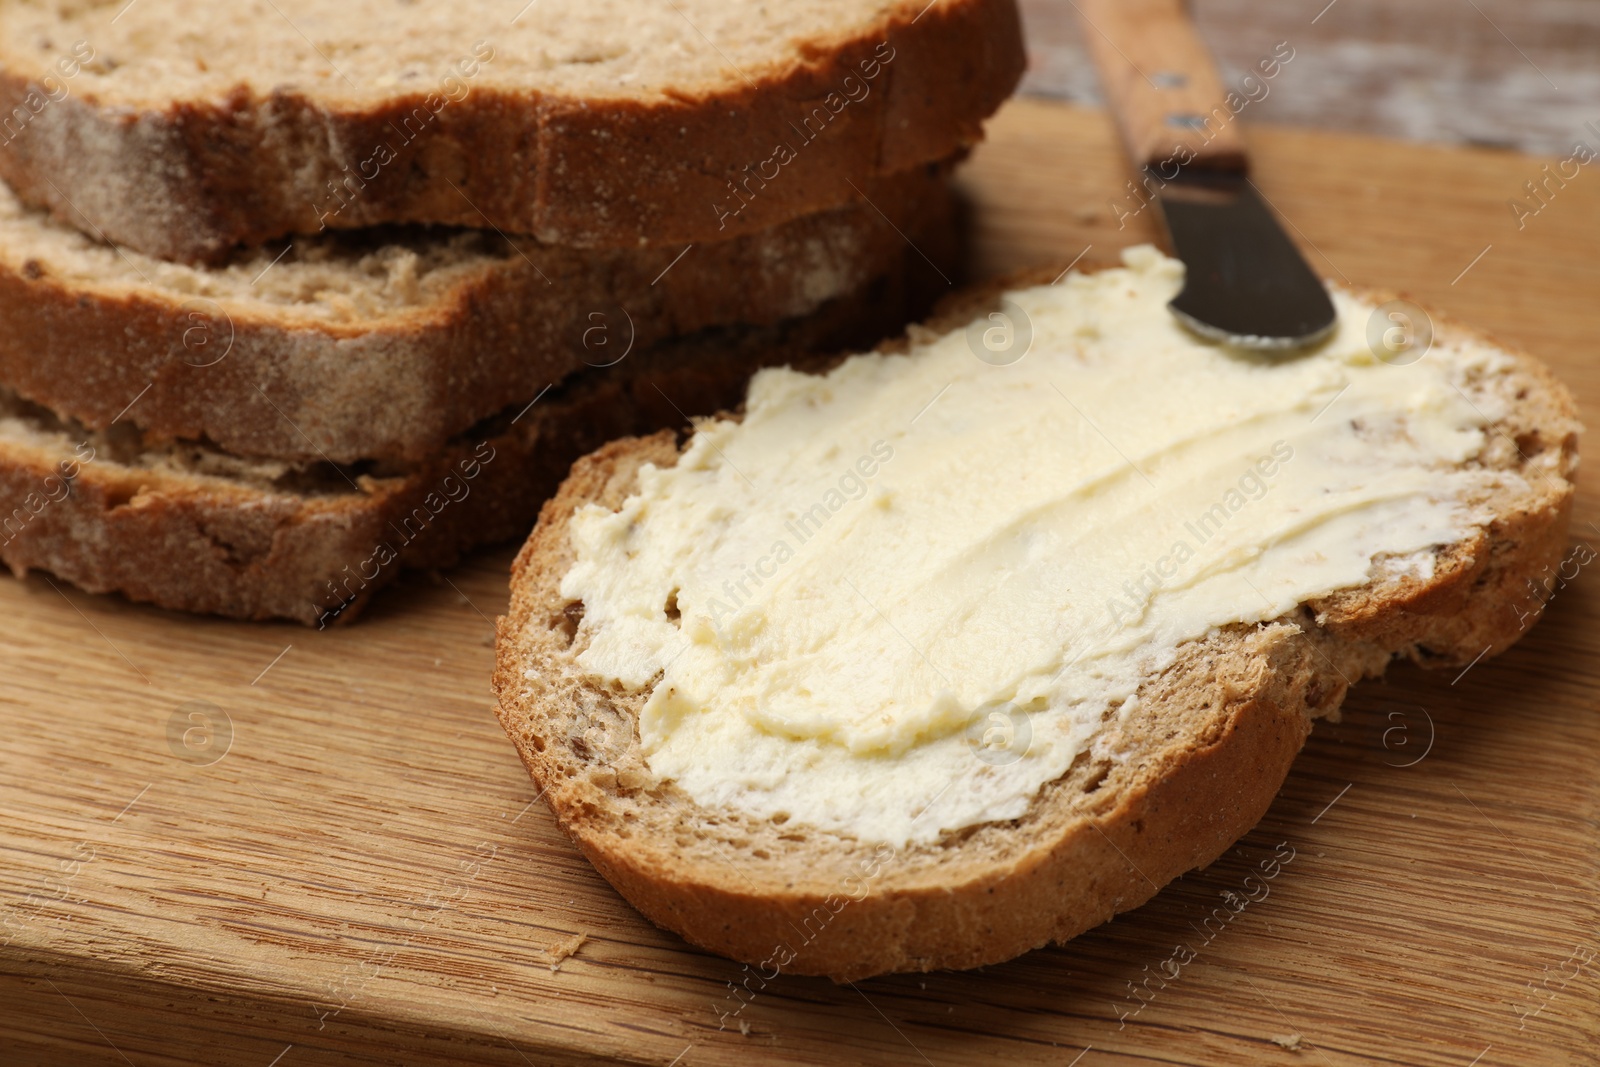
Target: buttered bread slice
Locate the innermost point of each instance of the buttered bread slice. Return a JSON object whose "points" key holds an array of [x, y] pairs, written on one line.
{"points": [[958, 650]]}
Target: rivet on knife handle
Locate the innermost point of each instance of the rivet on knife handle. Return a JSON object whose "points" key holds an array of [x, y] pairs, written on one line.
{"points": [[1163, 85]]}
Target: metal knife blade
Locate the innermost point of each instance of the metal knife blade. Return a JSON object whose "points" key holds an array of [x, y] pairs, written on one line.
{"points": [[1245, 282]]}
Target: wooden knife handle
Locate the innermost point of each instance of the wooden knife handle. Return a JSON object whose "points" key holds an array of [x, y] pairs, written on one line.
{"points": [[1162, 85]]}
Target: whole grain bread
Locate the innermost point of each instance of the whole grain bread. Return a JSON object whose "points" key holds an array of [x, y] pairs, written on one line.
{"points": [[353, 346], [1166, 791], [182, 129], [190, 527]]}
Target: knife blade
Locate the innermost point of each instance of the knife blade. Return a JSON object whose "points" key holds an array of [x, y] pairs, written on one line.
{"points": [[1245, 284]]}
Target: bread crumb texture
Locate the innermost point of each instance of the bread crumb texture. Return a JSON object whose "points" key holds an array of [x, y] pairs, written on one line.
{"points": [[565, 949]]}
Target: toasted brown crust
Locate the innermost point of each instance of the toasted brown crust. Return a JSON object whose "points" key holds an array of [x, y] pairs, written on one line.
{"points": [[256, 380], [313, 547], [191, 181], [1189, 772]]}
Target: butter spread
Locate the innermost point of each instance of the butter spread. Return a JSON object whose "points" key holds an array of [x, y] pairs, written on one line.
{"points": [[896, 599]]}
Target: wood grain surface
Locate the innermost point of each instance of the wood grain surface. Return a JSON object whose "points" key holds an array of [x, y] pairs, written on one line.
{"points": [[226, 843]]}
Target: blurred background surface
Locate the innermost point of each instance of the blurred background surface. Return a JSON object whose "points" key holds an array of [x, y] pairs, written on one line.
{"points": [[1522, 74]]}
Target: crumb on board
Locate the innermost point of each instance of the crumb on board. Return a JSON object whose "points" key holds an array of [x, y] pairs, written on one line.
{"points": [[1288, 1041], [565, 948], [744, 1028]]}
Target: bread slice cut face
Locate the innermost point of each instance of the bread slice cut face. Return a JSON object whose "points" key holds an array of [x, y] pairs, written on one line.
{"points": [[955, 651], [385, 344], [182, 129]]}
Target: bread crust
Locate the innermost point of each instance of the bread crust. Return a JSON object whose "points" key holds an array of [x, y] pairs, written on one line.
{"points": [[192, 180], [255, 379], [1168, 790], [307, 545]]}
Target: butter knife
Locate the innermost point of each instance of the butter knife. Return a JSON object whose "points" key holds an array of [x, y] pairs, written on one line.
{"points": [[1246, 284]]}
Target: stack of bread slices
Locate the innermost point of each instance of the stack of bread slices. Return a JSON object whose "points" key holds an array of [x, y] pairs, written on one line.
{"points": [[296, 295]]}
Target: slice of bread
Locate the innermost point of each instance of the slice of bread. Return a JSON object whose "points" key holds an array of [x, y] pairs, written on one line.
{"points": [[1166, 790], [191, 527], [347, 347], [182, 129]]}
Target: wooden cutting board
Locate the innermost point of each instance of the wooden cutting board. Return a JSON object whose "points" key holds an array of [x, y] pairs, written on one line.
{"points": [[264, 845]]}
